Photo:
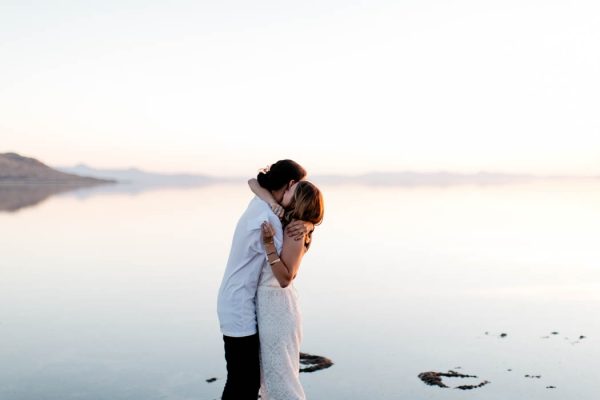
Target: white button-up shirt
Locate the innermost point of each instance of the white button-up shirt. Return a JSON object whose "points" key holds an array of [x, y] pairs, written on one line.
{"points": [[236, 302]]}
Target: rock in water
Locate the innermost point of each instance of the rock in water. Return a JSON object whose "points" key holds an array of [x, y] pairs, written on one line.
{"points": [[433, 378], [314, 363]]}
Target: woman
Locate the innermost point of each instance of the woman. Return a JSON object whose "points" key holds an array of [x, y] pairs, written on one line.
{"points": [[278, 316]]}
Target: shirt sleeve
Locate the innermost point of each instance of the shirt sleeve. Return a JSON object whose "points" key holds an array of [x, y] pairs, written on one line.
{"points": [[254, 224], [254, 230]]}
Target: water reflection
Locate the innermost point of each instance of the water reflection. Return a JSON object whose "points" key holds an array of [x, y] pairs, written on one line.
{"points": [[14, 197], [114, 297]]}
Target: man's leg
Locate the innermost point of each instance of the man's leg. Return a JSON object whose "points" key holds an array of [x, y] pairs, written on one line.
{"points": [[243, 368]]}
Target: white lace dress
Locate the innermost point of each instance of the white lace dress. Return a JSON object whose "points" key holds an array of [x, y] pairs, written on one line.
{"points": [[280, 333]]}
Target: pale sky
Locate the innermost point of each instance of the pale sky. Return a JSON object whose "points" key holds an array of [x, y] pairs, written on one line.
{"points": [[225, 87]]}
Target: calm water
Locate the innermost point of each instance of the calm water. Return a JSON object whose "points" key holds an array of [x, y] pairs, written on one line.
{"points": [[110, 295]]}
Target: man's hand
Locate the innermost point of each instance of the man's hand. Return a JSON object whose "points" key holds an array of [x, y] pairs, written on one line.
{"points": [[297, 229]]}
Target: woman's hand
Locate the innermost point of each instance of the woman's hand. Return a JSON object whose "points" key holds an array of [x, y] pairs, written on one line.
{"points": [[277, 209], [267, 232], [297, 229]]}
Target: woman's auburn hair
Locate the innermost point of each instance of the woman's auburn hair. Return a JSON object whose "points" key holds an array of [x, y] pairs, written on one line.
{"points": [[306, 205]]}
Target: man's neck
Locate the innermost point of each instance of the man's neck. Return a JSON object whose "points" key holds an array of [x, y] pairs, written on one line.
{"points": [[278, 195]]}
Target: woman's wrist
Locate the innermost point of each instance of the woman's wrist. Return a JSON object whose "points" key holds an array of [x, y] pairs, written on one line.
{"points": [[272, 255], [270, 247]]}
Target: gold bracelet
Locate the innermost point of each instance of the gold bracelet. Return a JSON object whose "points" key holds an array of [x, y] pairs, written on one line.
{"points": [[274, 261]]}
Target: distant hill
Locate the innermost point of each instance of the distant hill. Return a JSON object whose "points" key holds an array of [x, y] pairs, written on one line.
{"points": [[137, 176], [17, 169], [441, 178]]}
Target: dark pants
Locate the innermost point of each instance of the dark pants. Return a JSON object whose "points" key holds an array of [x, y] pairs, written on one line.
{"points": [[243, 368]]}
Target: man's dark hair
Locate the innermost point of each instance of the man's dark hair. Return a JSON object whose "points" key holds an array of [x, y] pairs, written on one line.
{"points": [[277, 175]]}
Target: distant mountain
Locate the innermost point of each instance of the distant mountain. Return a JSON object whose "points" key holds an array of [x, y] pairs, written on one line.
{"points": [[441, 178], [17, 169], [147, 180], [139, 177]]}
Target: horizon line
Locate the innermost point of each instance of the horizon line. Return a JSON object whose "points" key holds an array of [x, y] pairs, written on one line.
{"points": [[338, 175]]}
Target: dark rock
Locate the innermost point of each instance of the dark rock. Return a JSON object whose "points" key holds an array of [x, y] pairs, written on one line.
{"points": [[469, 387], [314, 363], [211, 380], [503, 335], [433, 378]]}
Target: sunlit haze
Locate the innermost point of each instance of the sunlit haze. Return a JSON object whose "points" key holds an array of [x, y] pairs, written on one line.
{"points": [[223, 87]]}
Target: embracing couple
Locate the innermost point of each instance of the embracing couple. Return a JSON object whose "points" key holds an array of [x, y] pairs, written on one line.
{"points": [[257, 303]]}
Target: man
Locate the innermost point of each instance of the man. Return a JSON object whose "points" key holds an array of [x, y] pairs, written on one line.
{"points": [[236, 301]]}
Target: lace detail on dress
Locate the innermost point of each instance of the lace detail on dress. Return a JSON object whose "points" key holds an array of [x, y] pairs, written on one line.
{"points": [[280, 333]]}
